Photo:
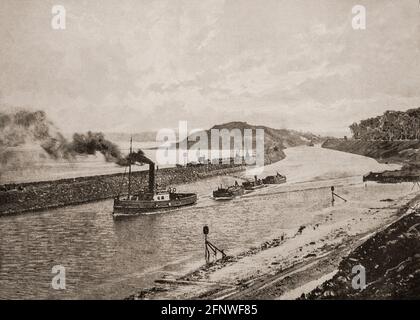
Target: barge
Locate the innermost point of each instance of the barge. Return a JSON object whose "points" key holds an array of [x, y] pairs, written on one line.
{"points": [[253, 185], [228, 193], [277, 179]]}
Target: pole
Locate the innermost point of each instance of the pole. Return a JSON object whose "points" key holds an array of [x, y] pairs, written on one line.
{"points": [[208, 245], [129, 167], [206, 250], [333, 195]]}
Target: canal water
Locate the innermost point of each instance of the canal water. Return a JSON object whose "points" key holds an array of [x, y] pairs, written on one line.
{"points": [[105, 259]]}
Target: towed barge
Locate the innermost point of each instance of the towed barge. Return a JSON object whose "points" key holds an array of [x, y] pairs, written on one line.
{"points": [[253, 185], [277, 179], [228, 193]]}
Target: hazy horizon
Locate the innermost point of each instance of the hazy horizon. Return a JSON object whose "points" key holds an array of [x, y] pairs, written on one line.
{"points": [[321, 133], [136, 66]]}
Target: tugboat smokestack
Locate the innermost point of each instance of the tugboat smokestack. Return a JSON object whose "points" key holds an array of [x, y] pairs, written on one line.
{"points": [[151, 177], [140, 157]]}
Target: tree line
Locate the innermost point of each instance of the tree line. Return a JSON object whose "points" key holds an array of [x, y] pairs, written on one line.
{"points": [[392, 125]]}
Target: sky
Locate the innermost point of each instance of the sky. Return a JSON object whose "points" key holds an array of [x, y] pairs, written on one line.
{"points": [[134, 65]]}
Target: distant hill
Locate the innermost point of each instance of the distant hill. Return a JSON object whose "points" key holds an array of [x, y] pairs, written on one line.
{"points": [[275, 140]]}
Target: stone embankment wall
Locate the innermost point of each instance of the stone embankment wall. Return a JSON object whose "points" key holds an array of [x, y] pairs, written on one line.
{"points": [[23, 197]]}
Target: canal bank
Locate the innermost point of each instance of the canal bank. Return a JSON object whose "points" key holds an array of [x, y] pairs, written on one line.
{"points": [[33, 196], [390, 260]]}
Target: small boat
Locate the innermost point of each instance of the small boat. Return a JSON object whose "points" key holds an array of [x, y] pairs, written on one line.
{"points": [[151, 200], [277, 179], [253, 185], [228, 193]]}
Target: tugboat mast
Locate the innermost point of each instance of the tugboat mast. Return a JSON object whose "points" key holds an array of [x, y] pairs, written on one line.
{"points": [[129, 167]]}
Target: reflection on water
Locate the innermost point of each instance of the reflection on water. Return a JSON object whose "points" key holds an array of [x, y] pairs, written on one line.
{"points": [[112, 259]]}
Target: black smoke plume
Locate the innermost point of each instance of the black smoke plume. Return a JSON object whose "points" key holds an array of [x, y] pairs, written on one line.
{"points": [[140, 157], [92, 142], [135, 157]]}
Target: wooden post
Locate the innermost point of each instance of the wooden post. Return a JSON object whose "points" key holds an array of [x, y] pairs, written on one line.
{"points": [[210, 246], [129, 168], [206, 248]]}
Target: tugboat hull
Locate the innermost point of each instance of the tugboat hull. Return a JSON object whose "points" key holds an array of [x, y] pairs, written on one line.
{"points": [[125, 207]]}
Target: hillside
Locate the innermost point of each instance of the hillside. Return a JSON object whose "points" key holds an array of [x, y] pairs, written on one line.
{"points": [[275, 140], [391, 137], [392, 125]]}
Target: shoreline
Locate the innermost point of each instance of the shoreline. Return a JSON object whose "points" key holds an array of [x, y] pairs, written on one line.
{"points": [[404, 153], [286, 266], [383, 151]]}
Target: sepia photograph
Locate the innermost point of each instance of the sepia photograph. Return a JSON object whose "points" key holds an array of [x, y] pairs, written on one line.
{"points": [[210, 150]]}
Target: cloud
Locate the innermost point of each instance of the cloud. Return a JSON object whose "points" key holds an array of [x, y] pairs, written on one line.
{"points": [[145, 64]]}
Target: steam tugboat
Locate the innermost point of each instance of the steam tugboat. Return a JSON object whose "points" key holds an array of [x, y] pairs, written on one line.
{"points": [[228, 193], [277, 179], [150, 200]]}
